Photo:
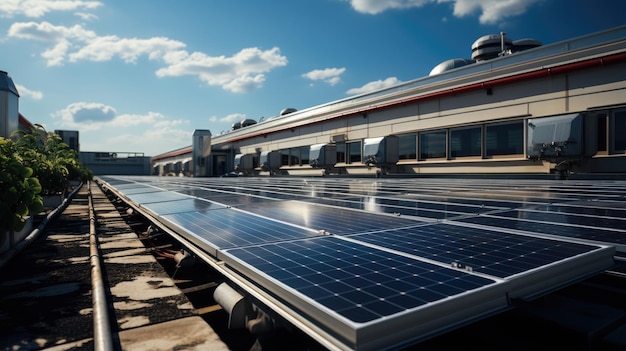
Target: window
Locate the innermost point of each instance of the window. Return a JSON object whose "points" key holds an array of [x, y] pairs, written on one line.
{"points": [[304, 155], [354, 152], [432, 144], [284, 157], [504, 139], [619, 131], [407, 147], [294, 156], [341, 152], [466, 142], [602, 133]]}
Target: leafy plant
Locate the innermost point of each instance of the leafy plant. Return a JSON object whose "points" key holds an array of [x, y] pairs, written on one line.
{"points": [[51, 160], [19, 191]]}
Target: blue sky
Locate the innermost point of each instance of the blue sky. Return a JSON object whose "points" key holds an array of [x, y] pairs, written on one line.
{"points": [[141, 75]]}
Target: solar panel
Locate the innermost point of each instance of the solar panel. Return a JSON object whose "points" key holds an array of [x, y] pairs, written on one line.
{"points": [[226, 228], [482, 250], [603, 235], [370, 297], [180, 206], [226, 198], [377, 263], [333, 220], [618, 213], [154, 196], [552, 217], [405, 207], [136, 188]]}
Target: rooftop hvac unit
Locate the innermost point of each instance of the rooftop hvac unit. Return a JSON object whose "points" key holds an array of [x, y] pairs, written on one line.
{"points": [[558, 136], [380, 151], [322, 155], [243, 162], [490, 46], [269, 160]]}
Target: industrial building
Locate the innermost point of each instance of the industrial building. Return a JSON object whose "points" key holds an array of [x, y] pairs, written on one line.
{"points": [[514, 107]]}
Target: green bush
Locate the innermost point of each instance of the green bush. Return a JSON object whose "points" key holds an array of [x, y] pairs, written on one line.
{"points": [[52, 160], [19, 190]]}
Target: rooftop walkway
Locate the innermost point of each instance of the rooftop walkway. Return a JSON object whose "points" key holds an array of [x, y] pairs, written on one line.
{"points": [[46, 290]]}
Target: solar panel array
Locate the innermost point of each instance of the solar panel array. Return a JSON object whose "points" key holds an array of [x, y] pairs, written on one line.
{"points": [[378, 263]]}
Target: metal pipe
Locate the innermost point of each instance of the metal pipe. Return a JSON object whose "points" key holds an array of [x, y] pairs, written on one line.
{"points": [[40, 228], [101, 326]]}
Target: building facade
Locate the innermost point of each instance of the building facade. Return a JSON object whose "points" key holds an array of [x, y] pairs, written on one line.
{"points": [[522, 108]]}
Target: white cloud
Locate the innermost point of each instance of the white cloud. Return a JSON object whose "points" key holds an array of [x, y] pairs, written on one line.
{"points": [[128, 49], [87, 45], [47, 32], [25, 92], [150, 141], [376, 85], [123, 132], [241, 72], [38, 8], [233, 117], [86, 115], [97, 116], [328, 75], [491, 11], [374, 7], [86, 16]]}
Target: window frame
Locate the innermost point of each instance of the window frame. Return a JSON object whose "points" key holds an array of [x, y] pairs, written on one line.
{"points": [[420, 140], [614, 148], [351, 146], [463, 141], [410, 156], [522, 146]]}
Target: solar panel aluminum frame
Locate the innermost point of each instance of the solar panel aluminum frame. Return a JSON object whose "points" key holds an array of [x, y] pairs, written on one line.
{"points": [[390, 332], [539, 281], [550, 277]]}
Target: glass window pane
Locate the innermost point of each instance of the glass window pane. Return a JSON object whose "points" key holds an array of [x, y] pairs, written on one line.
{"points": [[466, 142], [341, 152], [407, 146], [433, 144], [602, 128], [284, 157], [304, 155], [354, 152], [505, 139], [294, 152], [619, 130]]}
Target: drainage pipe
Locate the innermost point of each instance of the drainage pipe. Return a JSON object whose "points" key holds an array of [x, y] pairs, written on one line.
{"points": [[101, 327], [40, 228]]}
